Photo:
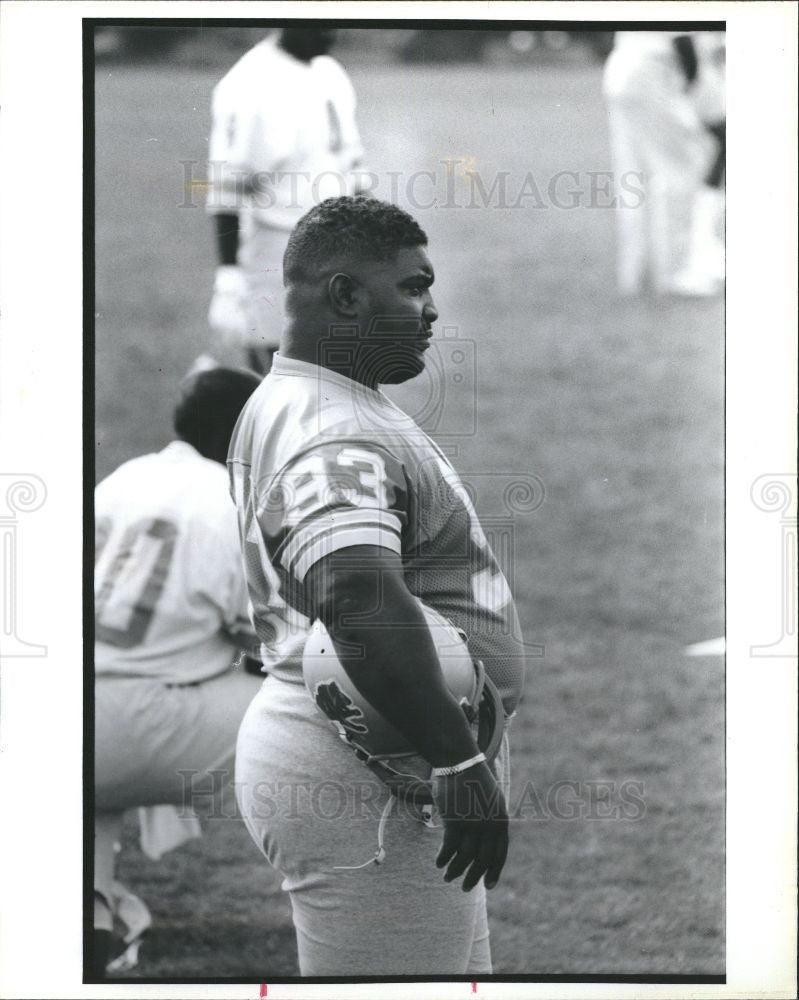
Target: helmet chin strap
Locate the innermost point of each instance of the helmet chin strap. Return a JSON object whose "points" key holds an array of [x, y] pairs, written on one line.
{"points": [[380, 853]]}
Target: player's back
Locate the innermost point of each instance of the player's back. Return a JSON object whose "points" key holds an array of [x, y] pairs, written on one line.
{"points": [[636, 45], [289, 128], [169, 589], [267, 64]]}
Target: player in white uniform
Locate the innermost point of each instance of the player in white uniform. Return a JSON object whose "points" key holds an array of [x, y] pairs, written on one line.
{"points": [[657, 134], [171, 614], [346, 507], [705, 269], [283, 138]]}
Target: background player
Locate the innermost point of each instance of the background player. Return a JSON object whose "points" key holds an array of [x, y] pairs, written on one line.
{"points": [[705, 268], [657, 134], [170, 614], [283, 138], [340, 501]]}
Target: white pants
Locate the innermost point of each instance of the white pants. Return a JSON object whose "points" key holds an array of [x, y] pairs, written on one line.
{"points": [[658, 139], [149, 737], [261, 252], [311, 806], [156, 744]]}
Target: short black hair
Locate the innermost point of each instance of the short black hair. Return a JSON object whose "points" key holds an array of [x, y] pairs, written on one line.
{"points": [[344, 228], [209, 406]]}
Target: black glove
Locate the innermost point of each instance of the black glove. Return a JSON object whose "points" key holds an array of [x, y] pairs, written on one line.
{"points": [[472, 809]]}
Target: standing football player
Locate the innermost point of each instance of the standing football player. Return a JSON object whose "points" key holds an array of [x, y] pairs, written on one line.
{"points": [[283, 138], [350, 516], [659, 141], [171, 614], [705, 269]]}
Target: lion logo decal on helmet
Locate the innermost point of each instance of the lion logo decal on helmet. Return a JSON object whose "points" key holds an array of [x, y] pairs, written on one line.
{"points": [[338, 706], [380, 745]]}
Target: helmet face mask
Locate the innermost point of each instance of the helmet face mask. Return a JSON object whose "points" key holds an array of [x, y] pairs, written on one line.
{"points": [[373, 739]]}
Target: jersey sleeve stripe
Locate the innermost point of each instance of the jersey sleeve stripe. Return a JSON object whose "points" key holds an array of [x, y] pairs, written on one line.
{"points": [[335, 512], [344, 538], [364, 524], [334, 520]]}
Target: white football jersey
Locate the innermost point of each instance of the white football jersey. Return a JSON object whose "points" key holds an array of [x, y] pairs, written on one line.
{"points": [[642, 45], [170, 597], [283, 136], [710, 91], [320, 463]]}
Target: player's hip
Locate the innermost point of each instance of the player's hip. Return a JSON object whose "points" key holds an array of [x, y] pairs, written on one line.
{"points": [[311, 805], [315, 811]]}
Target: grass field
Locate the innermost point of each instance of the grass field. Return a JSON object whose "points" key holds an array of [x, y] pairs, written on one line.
{"points": [[615, 405]]}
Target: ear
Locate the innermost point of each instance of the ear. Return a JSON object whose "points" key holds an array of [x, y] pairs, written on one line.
{"points": [[342, 292]]}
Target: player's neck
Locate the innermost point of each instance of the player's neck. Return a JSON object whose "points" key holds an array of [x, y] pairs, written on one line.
{"points": [[311, 351], [302, 57]]}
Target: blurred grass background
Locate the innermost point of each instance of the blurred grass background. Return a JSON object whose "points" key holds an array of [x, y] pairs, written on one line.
{"points": [[616, 405]]}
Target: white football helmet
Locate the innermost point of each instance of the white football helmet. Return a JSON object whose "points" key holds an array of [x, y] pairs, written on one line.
{"points": [[375, 741]]}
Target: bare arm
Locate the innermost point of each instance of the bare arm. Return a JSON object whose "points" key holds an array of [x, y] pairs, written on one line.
{"points": [[686, 54], [387, 651], [389, 654]]}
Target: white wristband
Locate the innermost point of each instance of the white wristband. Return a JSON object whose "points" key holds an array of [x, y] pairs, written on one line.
{"points": [[443, 772]]}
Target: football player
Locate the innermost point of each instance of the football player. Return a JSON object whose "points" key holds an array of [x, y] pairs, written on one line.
{"points": [[705, 269], [283, 138], [658, 142], [171, 614], [350, 515]]}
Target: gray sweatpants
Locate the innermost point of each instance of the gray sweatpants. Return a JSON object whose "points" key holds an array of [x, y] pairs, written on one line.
{"points": [[312, 808]]}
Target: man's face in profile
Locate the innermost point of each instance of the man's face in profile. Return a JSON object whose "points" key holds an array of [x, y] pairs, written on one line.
{"points": [[395, 321]]}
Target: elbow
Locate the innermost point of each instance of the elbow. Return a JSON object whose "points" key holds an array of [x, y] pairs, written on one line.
{"points": [[344, 601], [355, 588]]}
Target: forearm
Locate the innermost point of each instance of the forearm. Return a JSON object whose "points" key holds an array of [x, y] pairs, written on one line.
{"points": [[392, 660], [388, 653], [686, 55], [227, 237]]}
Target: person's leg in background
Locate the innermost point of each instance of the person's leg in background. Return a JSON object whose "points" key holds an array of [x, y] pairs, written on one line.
{"points": [[655, 130], [705, 267], [261, 256], [107, 826], [155, 744], [707, 250], [632, 224], [676, 151]]}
